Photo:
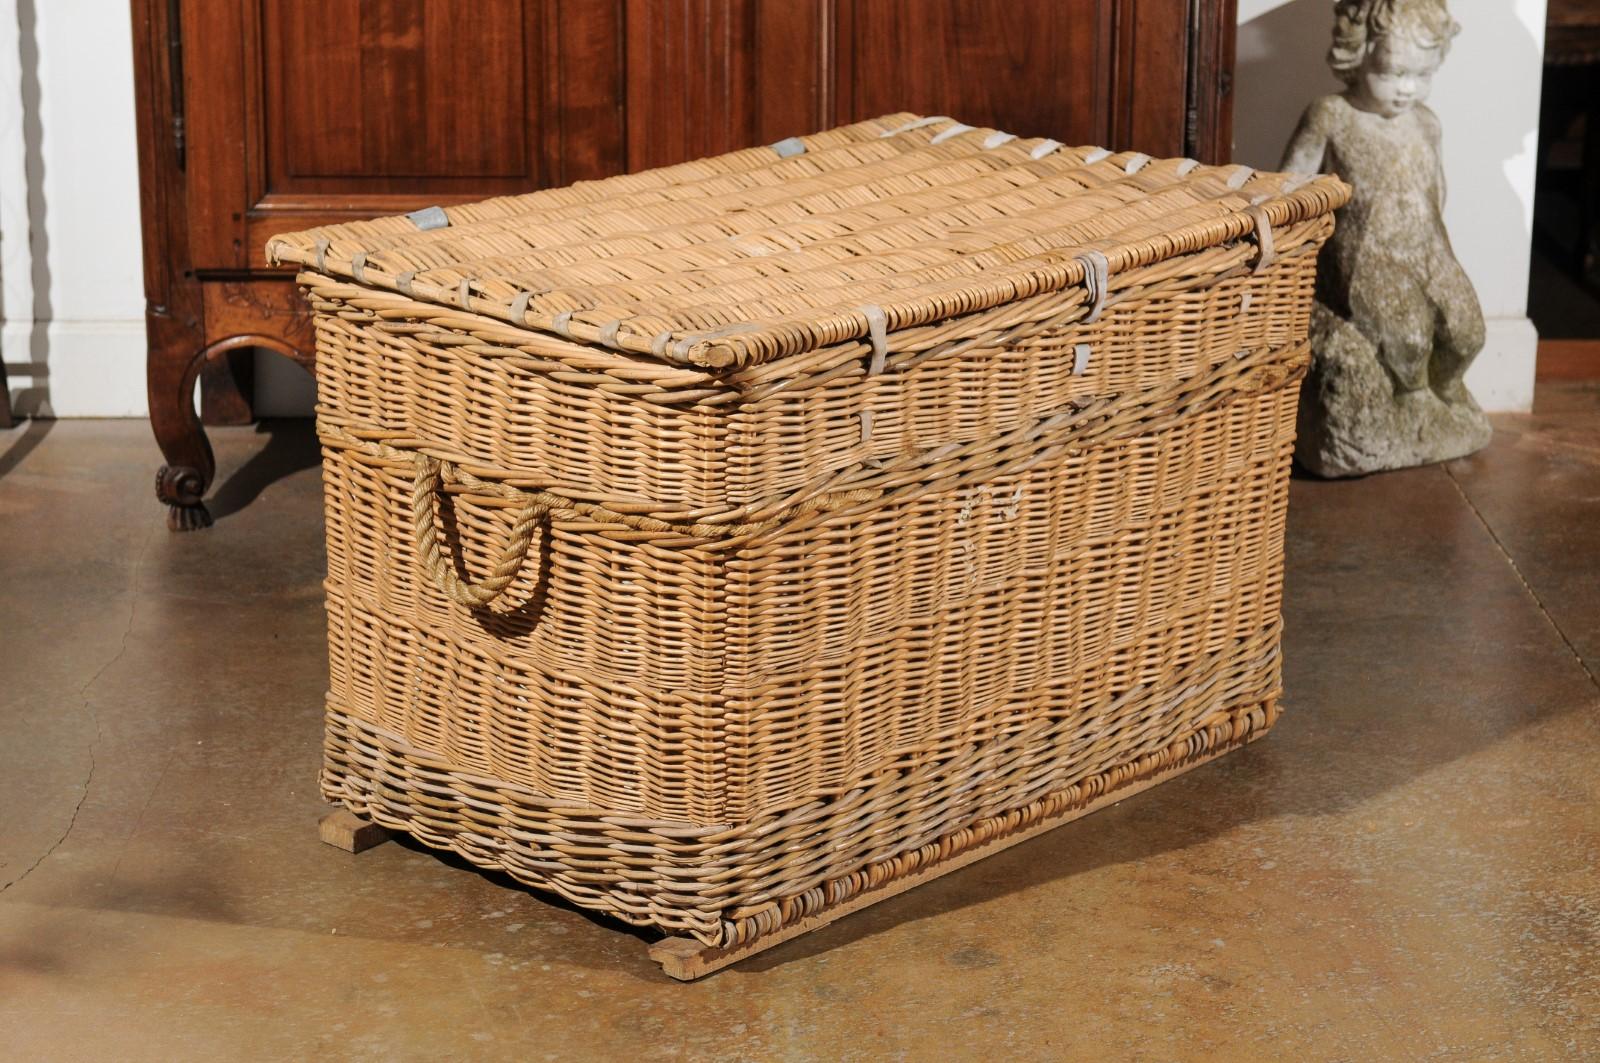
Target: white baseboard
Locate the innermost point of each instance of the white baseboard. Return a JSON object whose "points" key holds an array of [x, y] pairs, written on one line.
{"points": [[1501, 378], [75, 368]]}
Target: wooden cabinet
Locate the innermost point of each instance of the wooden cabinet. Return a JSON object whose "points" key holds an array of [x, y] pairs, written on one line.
{"points": [[261, 116]]}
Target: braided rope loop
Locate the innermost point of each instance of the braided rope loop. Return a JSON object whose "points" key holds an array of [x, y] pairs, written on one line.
{"points": [[428, 482]]}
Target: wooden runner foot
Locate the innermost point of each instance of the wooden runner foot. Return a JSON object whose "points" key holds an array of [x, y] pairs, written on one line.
{"points": [[345, 830], [686, 959]]}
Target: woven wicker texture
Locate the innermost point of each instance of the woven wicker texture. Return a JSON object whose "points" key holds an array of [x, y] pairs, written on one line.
{"points": [[971, 512]]}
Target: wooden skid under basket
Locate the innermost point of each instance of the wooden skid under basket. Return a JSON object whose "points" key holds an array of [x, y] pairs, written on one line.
{"points": [[728, 547], [382, 790]]}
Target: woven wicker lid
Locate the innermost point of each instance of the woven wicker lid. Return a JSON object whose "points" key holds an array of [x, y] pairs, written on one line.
{"points": [[847, 234]]}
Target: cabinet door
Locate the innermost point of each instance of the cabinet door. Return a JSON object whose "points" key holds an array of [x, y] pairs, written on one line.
{"points": [[302, 112], [707, 76], [307, 111]]}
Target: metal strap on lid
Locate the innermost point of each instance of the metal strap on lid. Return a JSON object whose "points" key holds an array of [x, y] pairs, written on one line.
{"points": [[945, 134], [878, 332], [1096, 278], [1263, 238], [429, 218], [917, 123]]}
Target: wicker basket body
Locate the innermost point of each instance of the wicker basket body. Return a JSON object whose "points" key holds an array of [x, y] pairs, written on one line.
{"points": [[713, 544]]}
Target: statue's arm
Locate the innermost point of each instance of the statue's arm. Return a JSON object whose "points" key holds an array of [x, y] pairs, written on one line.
{"points": [[1430, 123], [1308, 146]]}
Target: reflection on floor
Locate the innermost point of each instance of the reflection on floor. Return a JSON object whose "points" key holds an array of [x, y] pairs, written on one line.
{"points": [[1406, 868]]}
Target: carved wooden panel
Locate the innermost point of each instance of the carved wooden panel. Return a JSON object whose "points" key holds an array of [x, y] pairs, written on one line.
{"points": [[375, 106], [363, 91], [1030, 67]]}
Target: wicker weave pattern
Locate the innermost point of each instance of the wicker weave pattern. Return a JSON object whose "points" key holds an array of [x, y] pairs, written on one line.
{"points": [[940, 534], [801, 657]]}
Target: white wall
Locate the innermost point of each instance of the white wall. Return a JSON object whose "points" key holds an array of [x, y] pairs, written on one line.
{"points": [[73, 334], [1487, 97]]}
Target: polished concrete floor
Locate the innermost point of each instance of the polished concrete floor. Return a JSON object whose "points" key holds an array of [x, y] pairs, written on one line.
{"points": [[1408, 867]]}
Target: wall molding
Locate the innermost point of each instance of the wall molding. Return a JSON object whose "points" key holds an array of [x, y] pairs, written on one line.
{"points": [[75, 368]]}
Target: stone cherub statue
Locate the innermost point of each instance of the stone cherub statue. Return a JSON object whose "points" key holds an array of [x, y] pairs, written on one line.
{"points": [[1396, 322]]}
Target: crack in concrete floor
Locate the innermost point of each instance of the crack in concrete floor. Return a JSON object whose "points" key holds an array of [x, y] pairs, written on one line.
{"points": [[1516, 569]]}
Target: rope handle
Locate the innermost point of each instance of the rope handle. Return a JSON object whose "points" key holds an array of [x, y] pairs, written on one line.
{"points": [[429, 481]]}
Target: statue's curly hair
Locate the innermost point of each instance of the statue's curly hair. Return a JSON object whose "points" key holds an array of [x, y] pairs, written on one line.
{"points": [[1358, 26]]}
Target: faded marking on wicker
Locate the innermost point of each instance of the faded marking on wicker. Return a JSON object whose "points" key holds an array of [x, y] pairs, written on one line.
{"points": [[426, 486], [865, 416], [1080, 359], [954, 131], [464, 293], [429, 218], [1245, 300], [403, 281], [1096, 279], [519, 306], [322, 254], [563, 324], [789, 147], [997, 138], [608, 332], [1137, 163], [1266, 254], [1044, 148], [1240, 175], [358, 267]]}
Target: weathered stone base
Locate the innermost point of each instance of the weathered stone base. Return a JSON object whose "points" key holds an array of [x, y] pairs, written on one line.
{"points": [[1352, 422]]}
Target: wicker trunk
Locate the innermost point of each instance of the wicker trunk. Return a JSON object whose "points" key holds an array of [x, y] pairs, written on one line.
{"points": [[726, 546]]}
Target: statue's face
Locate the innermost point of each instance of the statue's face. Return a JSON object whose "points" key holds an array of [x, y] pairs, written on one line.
{"points": [[1396, 76]]}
